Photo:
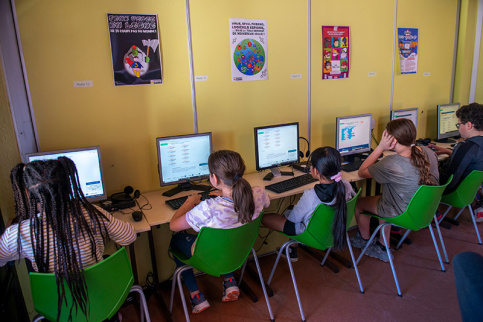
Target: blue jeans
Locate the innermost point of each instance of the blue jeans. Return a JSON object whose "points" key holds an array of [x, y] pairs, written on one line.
{"points": [[468, 272], [183, 242]]}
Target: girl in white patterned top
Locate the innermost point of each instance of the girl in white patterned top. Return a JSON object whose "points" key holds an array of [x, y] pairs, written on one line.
{"points": [[237, 203], [59, 231]]}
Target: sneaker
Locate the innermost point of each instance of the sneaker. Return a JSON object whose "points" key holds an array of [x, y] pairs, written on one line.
{"points": [[357, 241], [199, 303], [378, 251], [292, 253], [479, 214], [231, 291]]}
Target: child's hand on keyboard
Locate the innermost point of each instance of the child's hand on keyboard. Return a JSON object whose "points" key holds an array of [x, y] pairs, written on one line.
{"points": [[193, 200]]}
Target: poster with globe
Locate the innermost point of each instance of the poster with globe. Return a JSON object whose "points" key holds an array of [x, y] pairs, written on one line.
{"points": [[248, 49], [135, 50]]}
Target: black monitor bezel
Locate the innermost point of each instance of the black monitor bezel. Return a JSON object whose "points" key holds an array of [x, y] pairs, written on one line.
{"points": [[407, 110], [257, 161], [160, 170], [447, 134], [97, 148], [338, 119]]}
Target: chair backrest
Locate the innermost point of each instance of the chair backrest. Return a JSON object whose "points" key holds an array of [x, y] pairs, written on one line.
{"points": [[318, 233], [108, 285], [466, 191], [422, 207], [222, 251]]}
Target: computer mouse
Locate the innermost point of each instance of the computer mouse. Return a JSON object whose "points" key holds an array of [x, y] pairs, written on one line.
{"points": [[137, 215]]}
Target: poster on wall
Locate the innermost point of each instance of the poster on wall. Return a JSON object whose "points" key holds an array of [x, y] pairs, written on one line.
{"points": [[335, 52], [408, 40], [248, 49], [135, 51]]}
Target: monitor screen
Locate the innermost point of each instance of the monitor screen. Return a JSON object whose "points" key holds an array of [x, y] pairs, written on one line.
{"points": [[353, 134], [447, 120], [276, 145], [409, 113], [183, 158], [89, 168]]}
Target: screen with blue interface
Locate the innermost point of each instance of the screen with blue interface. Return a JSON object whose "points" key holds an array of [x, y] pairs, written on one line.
{"points": [[89, 168], [447, 120], [410, 113], [183, 158], [353, 134], [276, 145]]}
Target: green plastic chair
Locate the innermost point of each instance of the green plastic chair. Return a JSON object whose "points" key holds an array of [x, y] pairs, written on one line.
{"points": [[419, 213], [318, 235], [108, 284], [462, 197], [218, 252]]}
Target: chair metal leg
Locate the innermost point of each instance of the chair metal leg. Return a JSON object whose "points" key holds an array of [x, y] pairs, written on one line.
{"points": [[263, 285], [354, 262], [242, 272], [294, 283], [403, 238], [285, 245], [177, 279], [459, 213], [474, 223], [143, 306], [388, 250], [327, 252], [38, 318], [437, 248], [441, 240], [369, 242], [446, 212], [173, 288]]}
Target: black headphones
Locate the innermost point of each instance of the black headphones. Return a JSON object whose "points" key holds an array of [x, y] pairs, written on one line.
{"points": [[125, 195], [301, 154]]}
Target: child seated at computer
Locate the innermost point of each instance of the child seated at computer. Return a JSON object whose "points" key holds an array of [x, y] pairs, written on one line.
{"points": [[400, 175], [332, 190], [237, 204], [58, 230], [468, 154]]}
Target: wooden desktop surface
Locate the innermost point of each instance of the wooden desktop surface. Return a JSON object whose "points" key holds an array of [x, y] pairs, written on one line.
{"points": [[161, 213]]}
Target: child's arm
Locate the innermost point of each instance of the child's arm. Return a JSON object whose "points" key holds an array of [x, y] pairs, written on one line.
{"points": [[388, 142], [178, 222]]}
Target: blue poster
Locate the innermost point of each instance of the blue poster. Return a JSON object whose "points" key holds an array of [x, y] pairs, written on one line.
{"points": [[408, 40]]}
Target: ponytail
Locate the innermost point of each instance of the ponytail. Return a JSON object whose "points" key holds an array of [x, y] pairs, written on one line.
{"points": [[420, 161], [339, 225], [243, 202]]}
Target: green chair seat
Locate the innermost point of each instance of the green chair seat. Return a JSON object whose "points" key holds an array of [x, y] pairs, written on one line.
{"points": [[216, 258], [109, 282]]}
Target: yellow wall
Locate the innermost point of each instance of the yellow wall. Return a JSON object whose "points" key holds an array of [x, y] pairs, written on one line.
{"points": [[65, 41]]}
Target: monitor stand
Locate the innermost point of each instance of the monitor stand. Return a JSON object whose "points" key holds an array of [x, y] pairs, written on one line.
{"points": [[354, 157], [445, 140], [185, 186], [277, 173]]}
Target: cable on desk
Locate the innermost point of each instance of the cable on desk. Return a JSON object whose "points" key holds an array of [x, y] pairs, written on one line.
{"points": [[373, 137]]}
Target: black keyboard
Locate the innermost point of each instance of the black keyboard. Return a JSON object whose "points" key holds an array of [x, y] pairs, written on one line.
{"points": [[351, 166], [290, 184], [178, 202]]}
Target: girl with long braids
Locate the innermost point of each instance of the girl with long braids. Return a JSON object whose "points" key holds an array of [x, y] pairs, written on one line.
{"points": [[400, 175], [331, 190], [237, 203], [58, 230]]}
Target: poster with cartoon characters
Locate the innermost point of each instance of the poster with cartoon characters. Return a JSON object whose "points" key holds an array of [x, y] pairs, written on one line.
{"points": [[335, 52], [135, 50], [408, 39], [248, 52]]}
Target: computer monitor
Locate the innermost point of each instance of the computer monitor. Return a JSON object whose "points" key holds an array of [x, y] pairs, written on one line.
{"points": [[89, 168], [447, 121], [183, 158], [408, 113], [276, 145], [353, 134]]}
